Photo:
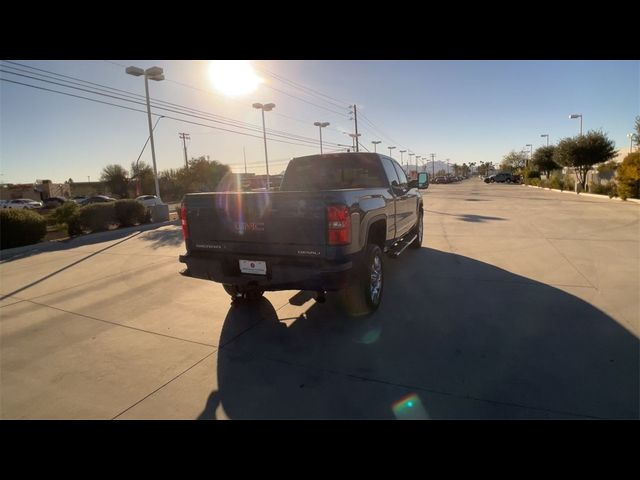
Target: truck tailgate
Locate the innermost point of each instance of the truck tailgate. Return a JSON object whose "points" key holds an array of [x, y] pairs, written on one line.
{"points": [[269, 223]]}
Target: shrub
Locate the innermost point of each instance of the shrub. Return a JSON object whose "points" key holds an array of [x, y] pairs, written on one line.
{"points": [[629, 176], [535, 182], [129, 212], [604, 189], [74, 227], [555, 182], [97, 217], [568, 183], [65, 212], [21, 227]]}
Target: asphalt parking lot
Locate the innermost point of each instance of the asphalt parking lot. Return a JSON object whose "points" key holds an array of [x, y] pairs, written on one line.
{"points": [[522, 303]]}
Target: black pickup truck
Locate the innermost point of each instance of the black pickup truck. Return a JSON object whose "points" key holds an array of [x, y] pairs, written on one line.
{"points": [[325, 229]]}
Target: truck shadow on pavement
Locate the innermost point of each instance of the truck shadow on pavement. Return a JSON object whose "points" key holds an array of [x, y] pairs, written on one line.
{"points": [[453, 338]]}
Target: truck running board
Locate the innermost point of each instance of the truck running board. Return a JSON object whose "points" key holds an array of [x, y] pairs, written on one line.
{"points": [[402, 247]]}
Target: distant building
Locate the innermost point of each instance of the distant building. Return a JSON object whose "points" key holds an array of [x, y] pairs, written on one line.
{"points": [[40, 190]]}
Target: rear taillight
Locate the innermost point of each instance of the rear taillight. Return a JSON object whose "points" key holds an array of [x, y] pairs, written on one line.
{"points": [[183, 221], [338, 225]]}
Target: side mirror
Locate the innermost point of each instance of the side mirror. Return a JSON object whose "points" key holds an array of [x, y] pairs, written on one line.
{"points": [[423, 180]]}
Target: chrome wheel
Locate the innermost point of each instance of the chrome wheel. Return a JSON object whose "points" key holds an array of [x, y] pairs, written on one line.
{"points": [[376, 279]]}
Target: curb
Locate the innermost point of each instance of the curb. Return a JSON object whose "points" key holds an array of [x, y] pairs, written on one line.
{"points": [[80, 240], [594, 195]]}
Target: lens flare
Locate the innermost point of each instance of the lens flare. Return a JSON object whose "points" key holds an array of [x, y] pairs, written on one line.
{"points": [[410, 408]]}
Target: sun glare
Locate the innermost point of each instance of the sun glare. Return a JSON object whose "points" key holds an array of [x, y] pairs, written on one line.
{"points": [[233, 77]]}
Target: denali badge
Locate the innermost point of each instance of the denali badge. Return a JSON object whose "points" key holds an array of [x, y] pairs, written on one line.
{"points": [[249, 227]]}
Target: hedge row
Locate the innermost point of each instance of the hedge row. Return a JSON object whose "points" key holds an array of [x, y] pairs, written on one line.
{"points": [[25, 227], [21, 227]]}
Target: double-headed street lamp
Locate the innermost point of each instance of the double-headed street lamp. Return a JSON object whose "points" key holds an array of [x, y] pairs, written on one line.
{"points": [[402, 157], [153, 73], [375, 144], [320, 126], [265, 108], [390, 148], [577, 115], [545, 135]]}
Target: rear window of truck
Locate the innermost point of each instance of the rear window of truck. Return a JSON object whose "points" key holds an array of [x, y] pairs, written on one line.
{"points": [[334, 173]]}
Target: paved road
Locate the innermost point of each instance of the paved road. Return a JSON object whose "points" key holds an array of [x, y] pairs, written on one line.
{"points": [[523, 303]]}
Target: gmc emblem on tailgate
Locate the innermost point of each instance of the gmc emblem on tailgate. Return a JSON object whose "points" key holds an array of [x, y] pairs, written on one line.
{"points": [[249, 227]]}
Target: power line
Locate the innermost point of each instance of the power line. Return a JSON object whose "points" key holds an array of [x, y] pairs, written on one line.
{"points": [[307, 90], [143, 111], [238, 123], [235, 124]]}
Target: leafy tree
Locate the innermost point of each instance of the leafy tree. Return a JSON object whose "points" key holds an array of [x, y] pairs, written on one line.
{"points": [[513, 161], [582, 152], [543, 159], [629, 176], [142, 173], [116, 178], [201, 175]]}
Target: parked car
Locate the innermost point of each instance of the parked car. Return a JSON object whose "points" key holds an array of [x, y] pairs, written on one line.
{"points": [[96, 199], [78, 198], [325, 229], [148, 200], [23, 203], [440, 180], [54, 202], [502, 177]]}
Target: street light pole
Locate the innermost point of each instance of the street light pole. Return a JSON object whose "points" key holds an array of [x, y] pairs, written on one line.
{"points": [[545, 135], [375, 144], [320, 126], [390, 148], [433, 165], [630, 135], [577, 115], [530, 153], [265, 108], [153, 73]]}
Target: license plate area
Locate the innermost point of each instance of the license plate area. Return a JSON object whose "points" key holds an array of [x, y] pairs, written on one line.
{"points": [[253, 267]]}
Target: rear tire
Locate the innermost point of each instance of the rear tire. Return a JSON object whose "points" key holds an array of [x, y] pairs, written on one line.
{"points": [[364, 296]]}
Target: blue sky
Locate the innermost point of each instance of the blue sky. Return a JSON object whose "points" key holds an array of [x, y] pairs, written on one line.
{"points": [[465, 111]]}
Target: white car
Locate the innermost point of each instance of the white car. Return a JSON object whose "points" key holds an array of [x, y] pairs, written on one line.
{"points": [[22, 203], [149, 200]]}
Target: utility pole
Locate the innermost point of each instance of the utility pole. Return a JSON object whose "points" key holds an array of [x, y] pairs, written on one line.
{"points": [[244, 153], [355, 118], [185, 137], [433, 165]]}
